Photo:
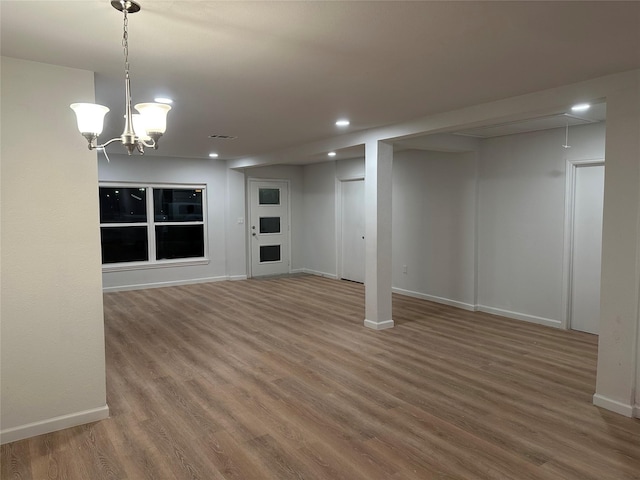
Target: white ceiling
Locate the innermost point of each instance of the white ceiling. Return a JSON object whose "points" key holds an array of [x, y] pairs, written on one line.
{"points": [[278, 74]]}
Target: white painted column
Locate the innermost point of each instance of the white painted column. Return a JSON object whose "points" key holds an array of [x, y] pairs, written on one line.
{"points": [[618, 350], [378, 170]]}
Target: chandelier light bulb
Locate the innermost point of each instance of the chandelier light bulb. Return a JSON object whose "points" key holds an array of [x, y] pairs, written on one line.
{"points": [[139, 127]]}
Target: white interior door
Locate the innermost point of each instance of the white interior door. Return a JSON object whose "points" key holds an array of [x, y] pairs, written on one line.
{"points": [[587, 248], [269, 227], [353, 263]]}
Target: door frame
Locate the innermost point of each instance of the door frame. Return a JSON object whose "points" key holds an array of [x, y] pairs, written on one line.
{"points": [[569, 209], [249, 217], [339, 202]]}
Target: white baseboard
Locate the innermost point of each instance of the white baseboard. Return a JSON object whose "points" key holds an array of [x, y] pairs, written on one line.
{"points": [[378, 325], [615, 406], [480, 308], [433, 298], [53, 424], [142, 286], [520, 316], [333, 276], [234, 278]]}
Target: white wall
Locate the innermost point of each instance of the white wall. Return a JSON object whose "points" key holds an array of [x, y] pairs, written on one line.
{"points": [[433, 222], [350, 169], [319, 216], [434, 202], [212, 173], [517, 185], [618, 381], [295, 177], [236, 226], [52, 333], [521, 220]]}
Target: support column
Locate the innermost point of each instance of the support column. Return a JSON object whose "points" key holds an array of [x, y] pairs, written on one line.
{"points": [[618, 375], [378, 170]]}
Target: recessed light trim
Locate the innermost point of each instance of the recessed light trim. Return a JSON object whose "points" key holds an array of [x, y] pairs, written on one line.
{"points": [[332, 154], [581, 107], [213, 155], [343, 122], [165, 100]]}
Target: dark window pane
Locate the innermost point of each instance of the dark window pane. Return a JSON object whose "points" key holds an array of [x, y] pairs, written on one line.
{"points": [[124, 244], [123, 205], [270, 253], [268, 196], [177, 205], [269, 224], [179, 241]]}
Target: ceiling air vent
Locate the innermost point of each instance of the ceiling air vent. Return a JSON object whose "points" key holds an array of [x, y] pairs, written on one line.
{"points": [[223, 137]]}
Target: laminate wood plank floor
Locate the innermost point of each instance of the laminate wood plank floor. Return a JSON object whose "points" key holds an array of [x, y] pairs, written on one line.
{"points": [[278, 379]]}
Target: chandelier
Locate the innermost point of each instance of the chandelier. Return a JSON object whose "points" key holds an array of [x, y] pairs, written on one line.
{"points": [[142, 129]]}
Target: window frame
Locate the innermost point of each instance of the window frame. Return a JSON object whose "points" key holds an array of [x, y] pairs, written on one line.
{"points": [[151, 224]]}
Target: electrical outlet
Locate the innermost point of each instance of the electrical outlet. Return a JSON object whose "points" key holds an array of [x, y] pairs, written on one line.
{"points": [[404, 269]]}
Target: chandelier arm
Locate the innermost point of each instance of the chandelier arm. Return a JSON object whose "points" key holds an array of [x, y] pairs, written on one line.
{"points": [[107, 143]]}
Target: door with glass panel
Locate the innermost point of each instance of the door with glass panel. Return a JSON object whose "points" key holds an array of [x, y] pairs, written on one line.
{"points": [[269, 227]]}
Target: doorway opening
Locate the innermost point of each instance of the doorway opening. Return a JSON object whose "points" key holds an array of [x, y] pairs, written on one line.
{"points": [[585, 190]]}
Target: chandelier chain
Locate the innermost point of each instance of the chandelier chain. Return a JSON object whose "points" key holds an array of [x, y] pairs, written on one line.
{"points": [[125, 40]]}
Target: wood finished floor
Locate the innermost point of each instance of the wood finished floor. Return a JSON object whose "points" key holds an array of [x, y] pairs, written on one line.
{"points": [[278, 379]]}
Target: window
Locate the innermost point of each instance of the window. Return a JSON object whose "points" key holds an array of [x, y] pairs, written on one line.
{"points": [[145, 225], [269, 224], [269, 253], [268, 196]]}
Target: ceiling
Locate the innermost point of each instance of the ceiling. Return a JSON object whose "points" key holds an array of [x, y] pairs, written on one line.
{"points": [[279, 74]]}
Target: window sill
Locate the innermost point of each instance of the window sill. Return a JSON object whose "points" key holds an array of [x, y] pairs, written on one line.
{"points": [[121, 267]]}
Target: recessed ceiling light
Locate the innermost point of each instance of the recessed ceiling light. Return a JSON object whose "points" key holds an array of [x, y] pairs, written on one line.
{"points": [[332, 154], [580, 107], [213, 155], [343, 122], [166, 100]]}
